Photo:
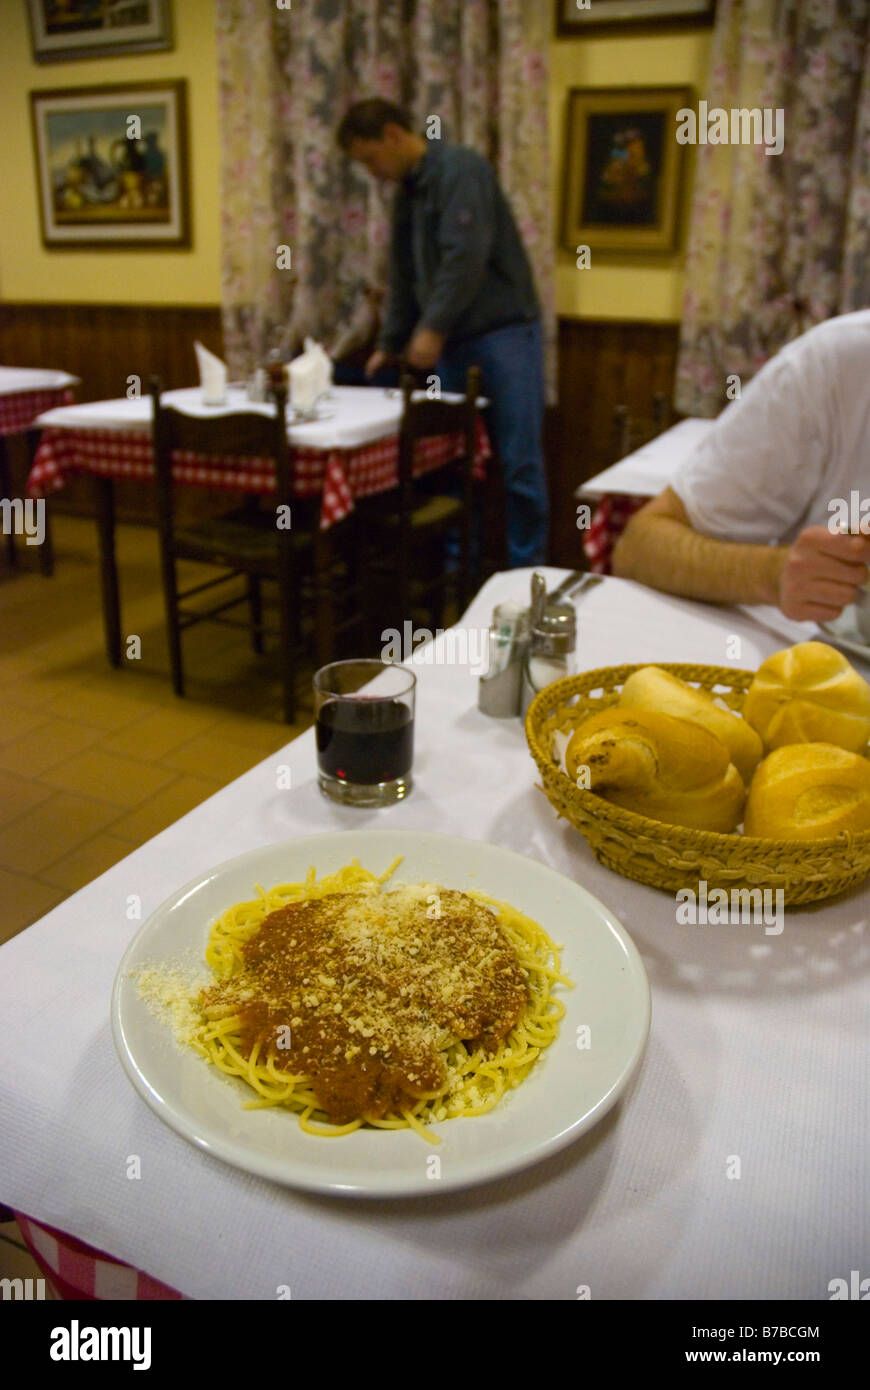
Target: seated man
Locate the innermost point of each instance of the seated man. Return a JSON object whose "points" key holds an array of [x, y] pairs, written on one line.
{"points": [[760, 512]]}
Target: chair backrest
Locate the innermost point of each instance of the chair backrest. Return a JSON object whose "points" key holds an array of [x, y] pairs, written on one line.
{"points": [[424, 419], [243, 433]]}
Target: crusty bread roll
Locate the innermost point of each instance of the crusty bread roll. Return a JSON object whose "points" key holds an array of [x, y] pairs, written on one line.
{"points": [[809, 694], [806, 791], [669, 769], [654, 689]]}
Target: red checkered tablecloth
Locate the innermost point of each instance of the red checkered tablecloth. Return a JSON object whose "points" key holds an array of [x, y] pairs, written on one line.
{"points": [[609, 520], [19, 409], [78, 1271], [339, 475]]}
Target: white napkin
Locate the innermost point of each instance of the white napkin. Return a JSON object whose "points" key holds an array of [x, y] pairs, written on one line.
{"points": [[322, 358], [212, 376], [305, 378]]}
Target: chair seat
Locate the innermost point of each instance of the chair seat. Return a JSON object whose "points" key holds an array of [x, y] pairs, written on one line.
{"points": [[236, 539], [430, 511]]}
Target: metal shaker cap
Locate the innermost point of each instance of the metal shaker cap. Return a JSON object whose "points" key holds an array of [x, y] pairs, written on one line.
{"points": [[555, 633]]}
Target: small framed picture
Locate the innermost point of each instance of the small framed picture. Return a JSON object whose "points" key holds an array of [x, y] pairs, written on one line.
{"points": [[111, 165], [623, 168], [63, 30], [577, 17]]}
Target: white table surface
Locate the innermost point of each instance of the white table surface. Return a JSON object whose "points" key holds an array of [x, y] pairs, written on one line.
{"points": [[758, 1049], [647, 471], [14, 380], [354, 416]]}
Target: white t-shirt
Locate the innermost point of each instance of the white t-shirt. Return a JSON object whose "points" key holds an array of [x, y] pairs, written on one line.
{"points": [[798, 438]]}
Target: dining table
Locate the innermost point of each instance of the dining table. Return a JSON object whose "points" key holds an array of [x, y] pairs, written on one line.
{"points": [[349, 451], [735, 1164], [614, 495], [25, 393]]}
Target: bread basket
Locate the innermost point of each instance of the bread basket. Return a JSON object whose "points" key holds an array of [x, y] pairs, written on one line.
{"points": [[670, 856]]}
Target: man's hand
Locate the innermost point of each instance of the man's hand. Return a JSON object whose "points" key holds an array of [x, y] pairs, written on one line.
{"points": [[821, 573], [378, 359], [425, 348]]}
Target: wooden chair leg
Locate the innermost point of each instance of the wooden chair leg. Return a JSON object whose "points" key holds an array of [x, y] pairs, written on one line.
{"points": [[255, 603], [173, 624], [286, 605], [46, 550], [5, 492]]}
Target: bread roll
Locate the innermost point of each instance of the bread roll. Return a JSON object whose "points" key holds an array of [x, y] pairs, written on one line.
{"points": [[809, 694], [669, 769], [806, 791], [654, 689]]}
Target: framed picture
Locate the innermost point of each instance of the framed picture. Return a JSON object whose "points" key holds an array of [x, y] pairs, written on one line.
{"points": [[623, 168], [577, 17], [62, 30], [111, 165]]}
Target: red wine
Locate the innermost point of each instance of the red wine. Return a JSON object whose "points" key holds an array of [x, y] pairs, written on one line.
{"points": [[365, 741]]}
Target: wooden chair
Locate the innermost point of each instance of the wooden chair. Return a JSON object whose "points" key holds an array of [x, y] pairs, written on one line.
{"points": [[246, 542], [403, 520]]}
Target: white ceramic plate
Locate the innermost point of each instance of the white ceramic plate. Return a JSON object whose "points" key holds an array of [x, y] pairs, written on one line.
{"points": [[568, 1091]]}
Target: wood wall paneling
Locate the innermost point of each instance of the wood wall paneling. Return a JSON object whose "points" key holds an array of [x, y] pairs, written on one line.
{"points": [[602, 364], [103, 344]]}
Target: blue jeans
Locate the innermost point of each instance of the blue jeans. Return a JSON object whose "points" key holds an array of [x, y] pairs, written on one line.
{"points": [[512, 365]]}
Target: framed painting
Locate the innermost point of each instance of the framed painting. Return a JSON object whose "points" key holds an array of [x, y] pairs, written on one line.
{"points": [[62, 30], [574, 18], [111, 165], [623, 168]]}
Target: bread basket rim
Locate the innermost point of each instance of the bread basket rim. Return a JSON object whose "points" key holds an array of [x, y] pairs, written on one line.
{"points": [[597, 805]]}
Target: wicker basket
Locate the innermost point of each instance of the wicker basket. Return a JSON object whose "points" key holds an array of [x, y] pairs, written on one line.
{"points": [[670, 856]]}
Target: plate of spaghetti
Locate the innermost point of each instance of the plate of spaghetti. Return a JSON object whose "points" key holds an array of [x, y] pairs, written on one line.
{"points": [[381, 1013]]}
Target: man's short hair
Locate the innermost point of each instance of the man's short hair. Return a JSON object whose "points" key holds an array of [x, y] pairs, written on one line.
{"points": [[366, 120]]}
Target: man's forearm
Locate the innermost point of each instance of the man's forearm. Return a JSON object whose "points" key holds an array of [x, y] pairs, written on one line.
{"points": [[666, 554]]}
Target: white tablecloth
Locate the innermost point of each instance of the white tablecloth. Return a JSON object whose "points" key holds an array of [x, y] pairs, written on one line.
{"points": [[758, 1051], [647, 471], [355, 415], [14, 380]]}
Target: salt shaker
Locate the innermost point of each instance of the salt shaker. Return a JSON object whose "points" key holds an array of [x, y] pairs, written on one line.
{"points": [[552, 643]]}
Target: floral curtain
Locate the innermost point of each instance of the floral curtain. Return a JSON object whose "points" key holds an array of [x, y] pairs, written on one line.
{"points": [[778, 242], [287, 75]]}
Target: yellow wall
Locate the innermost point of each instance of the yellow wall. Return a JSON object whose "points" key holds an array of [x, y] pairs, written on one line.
{"points": [[621, 287], [31, 273], [613, 288]]}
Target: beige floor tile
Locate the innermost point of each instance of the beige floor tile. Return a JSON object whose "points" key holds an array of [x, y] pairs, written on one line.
{"points": [[17, 720], [17, 795], [264, 734], [49, 831], [158, 734], [164, 809], [211, 756], [35, 692], [124, 782], [60, 740], [86, 862], [108, 704], [24, 901]]}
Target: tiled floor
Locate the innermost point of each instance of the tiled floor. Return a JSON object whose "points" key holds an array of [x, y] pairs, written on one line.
{"points": [[94, 761]]}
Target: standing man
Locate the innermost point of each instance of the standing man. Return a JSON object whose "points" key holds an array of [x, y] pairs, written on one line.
{"points": [[462, 294]]}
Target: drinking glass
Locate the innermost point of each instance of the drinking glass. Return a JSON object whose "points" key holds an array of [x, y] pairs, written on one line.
{"points": [[364, 711]]}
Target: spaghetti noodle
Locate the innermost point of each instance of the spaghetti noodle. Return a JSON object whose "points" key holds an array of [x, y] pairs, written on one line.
{"points": [[419, 1034]]}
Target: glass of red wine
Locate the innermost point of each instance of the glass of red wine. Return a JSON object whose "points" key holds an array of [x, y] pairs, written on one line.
{"points": [[364, 713]]}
